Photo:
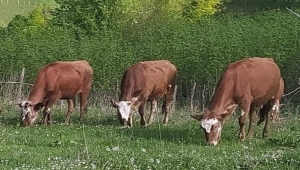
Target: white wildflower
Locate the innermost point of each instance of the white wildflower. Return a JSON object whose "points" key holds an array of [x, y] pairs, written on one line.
{"points": [[115, 148]]}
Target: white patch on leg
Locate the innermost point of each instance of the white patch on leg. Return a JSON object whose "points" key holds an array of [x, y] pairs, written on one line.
{"points": [[242, 112], [207, 123], [275, 107], [214, 143]]}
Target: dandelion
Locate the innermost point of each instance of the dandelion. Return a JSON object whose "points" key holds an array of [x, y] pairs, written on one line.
{"points": [[131, 160], [115, 148], [107, 149], [143, 150], [151, 160], [93, 166]]}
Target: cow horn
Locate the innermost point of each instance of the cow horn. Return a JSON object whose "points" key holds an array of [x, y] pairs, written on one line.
{"points": [[197, 117], [114, 103]]}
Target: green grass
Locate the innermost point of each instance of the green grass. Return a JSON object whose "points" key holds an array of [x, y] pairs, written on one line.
{"points": [[99, 143], [10, 8]]}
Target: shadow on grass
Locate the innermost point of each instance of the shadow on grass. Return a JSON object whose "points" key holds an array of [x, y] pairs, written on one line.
{"points": [[181, 134]]}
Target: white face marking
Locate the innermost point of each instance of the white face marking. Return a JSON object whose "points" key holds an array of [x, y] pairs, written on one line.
{"points": [[207, 123], [214, 143], [124, 108], [25, 109], [242, 112]]}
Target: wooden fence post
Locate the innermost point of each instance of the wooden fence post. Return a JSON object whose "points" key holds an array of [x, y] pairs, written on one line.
{"points": [[19, 95], [192, 97], [174, 99]]}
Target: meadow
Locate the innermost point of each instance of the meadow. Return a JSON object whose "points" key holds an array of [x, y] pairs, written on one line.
{"points": [[10, 8], [99, 143]]}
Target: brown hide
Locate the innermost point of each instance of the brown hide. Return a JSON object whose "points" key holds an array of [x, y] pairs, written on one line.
{"points": [[55, 81], [149, 81], [247, 83], [275, 110]]}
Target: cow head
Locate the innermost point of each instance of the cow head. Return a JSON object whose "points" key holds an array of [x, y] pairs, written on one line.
{"points": [[29, 112], [212, 124], [124, 109]]}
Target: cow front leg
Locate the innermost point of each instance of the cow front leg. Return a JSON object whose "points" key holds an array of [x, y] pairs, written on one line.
{"points": [[252, 118], [141, 112], [71, 103], [46, 116], [242, 120]]}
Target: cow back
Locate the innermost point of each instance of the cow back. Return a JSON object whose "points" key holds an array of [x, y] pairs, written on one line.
{"points": [[148, 80]]}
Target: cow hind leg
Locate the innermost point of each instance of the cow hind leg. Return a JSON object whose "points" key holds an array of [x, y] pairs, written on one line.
{"points": [[153, 111], [83, 104], [167, 106], [267, 112], [71, 105]]}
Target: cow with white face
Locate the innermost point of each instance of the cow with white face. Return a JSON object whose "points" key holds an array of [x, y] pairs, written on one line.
{"points": [[142, 82], [125, 110], [55, 81], [248, 84], [212, 126], [29, 112]]}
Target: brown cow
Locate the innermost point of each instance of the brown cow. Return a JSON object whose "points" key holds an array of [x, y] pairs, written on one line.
{"points": [[248, 83], [58, 80], [142, 82]]}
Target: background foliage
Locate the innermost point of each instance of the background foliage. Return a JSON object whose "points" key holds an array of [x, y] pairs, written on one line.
{"points": [[114, 34]]}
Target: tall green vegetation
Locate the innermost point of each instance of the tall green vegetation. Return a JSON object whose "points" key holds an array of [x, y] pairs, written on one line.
{"points": [[114, 34]]}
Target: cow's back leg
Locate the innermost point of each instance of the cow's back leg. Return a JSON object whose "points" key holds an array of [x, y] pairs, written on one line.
{"points": [[252, 118], [153, 111], [71, 105], [267, 111], [166, 107], [83, 103], [275, 111], [142, 112]]}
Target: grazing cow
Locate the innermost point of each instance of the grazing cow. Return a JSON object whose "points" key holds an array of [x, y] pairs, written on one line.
{"points": [[142, 82], [55, 81], [248, 83]]}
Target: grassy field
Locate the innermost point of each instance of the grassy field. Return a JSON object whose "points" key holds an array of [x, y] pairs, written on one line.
{"points": [[99, 143], [10, 8]]}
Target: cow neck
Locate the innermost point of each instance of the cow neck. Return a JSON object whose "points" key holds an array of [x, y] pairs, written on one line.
{"points": [[222, 97], [37, 93], [126, 94]]}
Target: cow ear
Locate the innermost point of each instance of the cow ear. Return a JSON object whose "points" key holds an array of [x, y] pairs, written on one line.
{"points": [[197, 117], [38, 106], [114, 103], [134, 99]]}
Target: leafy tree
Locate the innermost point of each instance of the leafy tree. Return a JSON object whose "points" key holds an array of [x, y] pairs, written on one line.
{"points": [[85, 17], [195, 9]]}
